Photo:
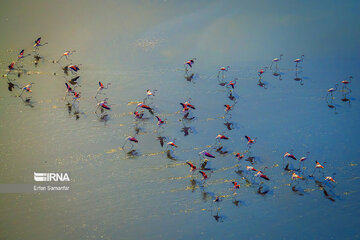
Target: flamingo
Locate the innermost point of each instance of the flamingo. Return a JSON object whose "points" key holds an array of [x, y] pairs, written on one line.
{"points": [[302, 159], [73, 81], [76, 95], [207, 154], [149, 93], [21, 54], [221, 137], [26, 88], [138, 114], [250, 168], [103, 104], [260, 174], [222, 71], [203, 174], [288, 155], [262, 71], [331, 90], [192, 166], [68, 89], [189, 63], [160, 121], [172, 144], [227, 107], [239, 156], [317, 166], [102, 87], [224, 68], [131, 140], [329, 179], [74, 68], [232, 84], [276, 60], [11, 66], [298, 60], [250, 141], [294, 177], [186, 105], [66, 54], [236, 185], [346, 82], [142, 105], [38, 43]]}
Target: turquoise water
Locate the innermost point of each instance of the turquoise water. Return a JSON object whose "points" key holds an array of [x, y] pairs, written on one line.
{"points": [[143, 45]]}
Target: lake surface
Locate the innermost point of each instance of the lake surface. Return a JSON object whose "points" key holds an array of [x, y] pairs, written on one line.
{"points": [[143, 45]]}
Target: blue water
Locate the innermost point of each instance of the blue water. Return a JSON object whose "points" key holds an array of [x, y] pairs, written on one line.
{"points": [[143, 45]]}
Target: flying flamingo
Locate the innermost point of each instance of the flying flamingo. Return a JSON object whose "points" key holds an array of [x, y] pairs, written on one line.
{"points": [[11, 66], [138, 114], [204, 153], [329, 179], [294, 177], [236, 185], [142, 105], [74, 81], [260, 174], [69, 89], [76, 95], [204, 175], [192, 166], [172, 144], [276, 60], [288, 155], [38, 43], [186, 105], [160, 121], [73, 68], [21, 54], [298, 60], [232, 84], [331, 90], [239, 156], [250, 168], [227, 107], [221, 137], [250, 141]]}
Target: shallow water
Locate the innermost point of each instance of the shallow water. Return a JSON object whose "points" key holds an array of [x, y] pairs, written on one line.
{"points": [[149, 196]]}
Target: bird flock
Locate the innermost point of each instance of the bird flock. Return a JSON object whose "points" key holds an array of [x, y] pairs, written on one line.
{"points": [[247, 170]]}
